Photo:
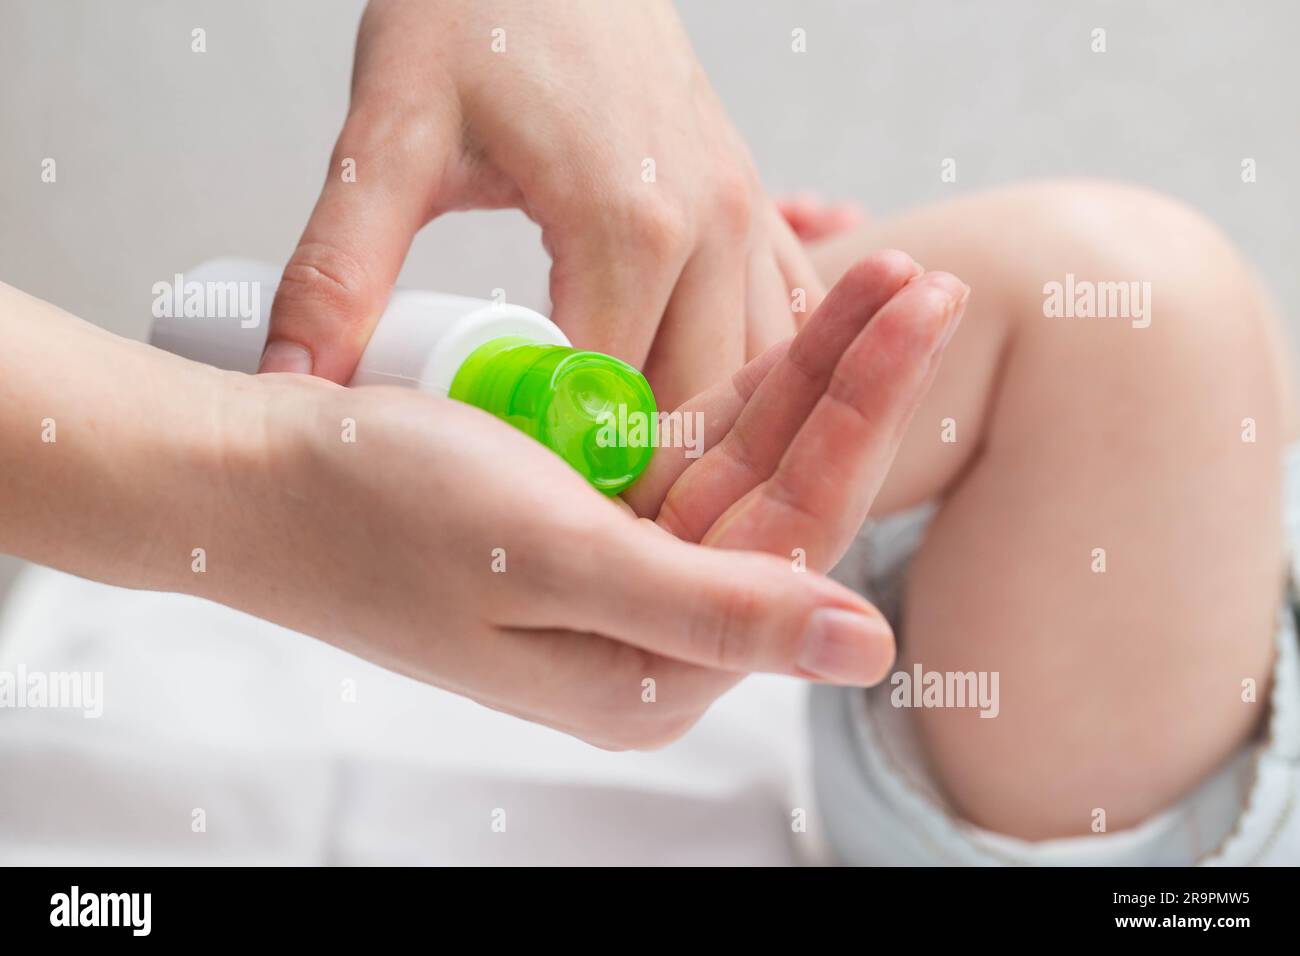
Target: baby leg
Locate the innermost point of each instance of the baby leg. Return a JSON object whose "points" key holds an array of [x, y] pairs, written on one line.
{"points": [[1108, 539]]}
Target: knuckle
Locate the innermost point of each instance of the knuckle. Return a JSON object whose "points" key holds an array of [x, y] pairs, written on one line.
{"points": [[724, 636], [853, 394], [390, 133], [320, 274], [657, 228], [734, 204]]}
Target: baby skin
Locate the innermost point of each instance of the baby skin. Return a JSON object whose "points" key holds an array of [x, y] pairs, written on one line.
{"points": [[1108, 537]]}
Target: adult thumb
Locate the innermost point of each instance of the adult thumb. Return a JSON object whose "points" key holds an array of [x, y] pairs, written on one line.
{"points": [[337, 282]]}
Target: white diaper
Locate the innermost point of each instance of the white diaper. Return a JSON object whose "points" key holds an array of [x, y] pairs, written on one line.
{"points": [[879, 806]]}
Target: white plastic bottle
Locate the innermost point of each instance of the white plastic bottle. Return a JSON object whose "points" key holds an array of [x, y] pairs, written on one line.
{"points": [[421, 340], [506, 359]]}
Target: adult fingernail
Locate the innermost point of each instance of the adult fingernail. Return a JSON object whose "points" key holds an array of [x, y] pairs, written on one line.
{"points": [[948, 284], [282, 356], [957, 293], [847, 647], [955, 311]]}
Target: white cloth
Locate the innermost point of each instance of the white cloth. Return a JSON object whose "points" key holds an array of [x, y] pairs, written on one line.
{"points": [[206, 709]]}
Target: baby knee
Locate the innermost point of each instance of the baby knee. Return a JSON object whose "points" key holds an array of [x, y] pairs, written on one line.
{"points": [[1130, 240], [1135, 280]]}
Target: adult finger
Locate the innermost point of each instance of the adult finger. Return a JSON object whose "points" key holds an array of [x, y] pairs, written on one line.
{"points": [[695, 426], [823, 488], [732, 611], [750, 452], [701, 340], [384, 176], [768, 303], [807, 290], [614, 268]]}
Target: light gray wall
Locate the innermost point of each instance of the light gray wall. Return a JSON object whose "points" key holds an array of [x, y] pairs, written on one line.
{"points": [[166, 157]]}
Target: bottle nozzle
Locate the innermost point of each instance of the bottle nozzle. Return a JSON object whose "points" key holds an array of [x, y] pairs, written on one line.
{"points": [[593, 410]]}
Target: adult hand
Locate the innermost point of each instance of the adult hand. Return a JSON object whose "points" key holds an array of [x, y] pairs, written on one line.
{"points": [[592, 117], [445, 545], [435, 540]]}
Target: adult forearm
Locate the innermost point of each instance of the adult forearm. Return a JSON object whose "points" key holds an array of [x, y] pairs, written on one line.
{"points": [[108, 448]]}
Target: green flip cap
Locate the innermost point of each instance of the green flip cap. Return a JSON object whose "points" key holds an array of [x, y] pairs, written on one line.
{"points": [[593, 410]]}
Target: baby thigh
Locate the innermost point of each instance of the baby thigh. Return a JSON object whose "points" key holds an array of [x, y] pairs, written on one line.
{"points": [[1105, 438]]}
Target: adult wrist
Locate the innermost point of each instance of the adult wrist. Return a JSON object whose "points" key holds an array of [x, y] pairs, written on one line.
{"points": [[237, 474]]}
